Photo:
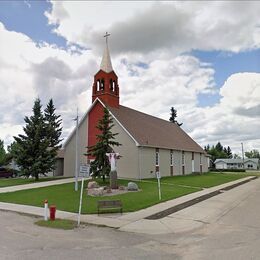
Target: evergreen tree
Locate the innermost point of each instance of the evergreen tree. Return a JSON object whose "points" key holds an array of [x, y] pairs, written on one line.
{"points": [[32, 153], [206, 148], [2, 153], [219, 147], [53, 131], [229, 152], [53, 125], [174, 116], [105, 142]]}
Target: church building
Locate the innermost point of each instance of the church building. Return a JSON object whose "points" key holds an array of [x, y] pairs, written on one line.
{"points": [[149, 144]]}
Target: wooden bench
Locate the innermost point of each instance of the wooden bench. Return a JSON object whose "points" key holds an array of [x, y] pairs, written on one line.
{"points": [[106, 205]]}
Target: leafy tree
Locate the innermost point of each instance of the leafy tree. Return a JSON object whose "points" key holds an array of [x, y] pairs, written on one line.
{"points": [[174, 116], [253, 154], [2, 153], [32, 151], [236, 156], [105, 141]]}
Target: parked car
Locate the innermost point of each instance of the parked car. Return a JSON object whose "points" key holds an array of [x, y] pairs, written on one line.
{"points": [[5, 173]]}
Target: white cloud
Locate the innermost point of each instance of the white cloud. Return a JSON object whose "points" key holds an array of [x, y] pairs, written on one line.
{"points": [[160, 26], [28, 71], [146, 43], [227, 121]]}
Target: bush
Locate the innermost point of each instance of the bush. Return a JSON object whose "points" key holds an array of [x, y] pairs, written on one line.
{"points": [[227, 170]]}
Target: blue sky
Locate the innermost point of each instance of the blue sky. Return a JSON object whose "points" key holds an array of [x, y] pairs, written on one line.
{"points": [[150, 37], [226, 64], [20, 15], [28, 17]]}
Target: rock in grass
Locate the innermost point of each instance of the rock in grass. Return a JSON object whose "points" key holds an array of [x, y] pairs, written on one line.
{"points": [[132, 186], [92, 185]]}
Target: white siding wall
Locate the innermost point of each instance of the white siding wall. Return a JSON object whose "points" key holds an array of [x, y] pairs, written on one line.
{"points": [[128, 164], [147, 162], [69, 153]]}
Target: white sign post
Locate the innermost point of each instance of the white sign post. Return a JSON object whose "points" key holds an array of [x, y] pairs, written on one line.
{"points": [[158, 175], [84, 172]]}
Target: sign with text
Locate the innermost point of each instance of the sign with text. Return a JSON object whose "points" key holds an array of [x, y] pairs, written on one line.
{"points": [[84, 170]]}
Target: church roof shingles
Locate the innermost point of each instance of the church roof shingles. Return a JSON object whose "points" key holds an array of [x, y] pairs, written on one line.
{"points": [[151, 131]]}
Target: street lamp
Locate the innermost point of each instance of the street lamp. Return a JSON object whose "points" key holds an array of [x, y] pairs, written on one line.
{"points": [[76, 155], [243, 155]]}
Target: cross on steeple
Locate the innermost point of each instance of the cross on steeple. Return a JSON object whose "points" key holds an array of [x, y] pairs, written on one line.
{"points": [[106, 36]]}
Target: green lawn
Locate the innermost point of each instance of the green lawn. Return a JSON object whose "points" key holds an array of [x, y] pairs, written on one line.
{"points": [[65, 198], [203, 181], [5, 182], [57, 223]]}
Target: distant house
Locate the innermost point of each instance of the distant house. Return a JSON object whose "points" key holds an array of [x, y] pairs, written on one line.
{"points": [[249, 163]]}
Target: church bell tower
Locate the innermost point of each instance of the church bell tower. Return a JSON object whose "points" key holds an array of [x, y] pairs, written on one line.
{"points": [[105, 85]]}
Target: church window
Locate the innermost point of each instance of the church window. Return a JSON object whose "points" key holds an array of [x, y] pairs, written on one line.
{"points": [[200, 158], [102, 85], [111, 84], [114, 86], [157, 157], [98, 85], [171, 157], [183, 158], [192, 156]]}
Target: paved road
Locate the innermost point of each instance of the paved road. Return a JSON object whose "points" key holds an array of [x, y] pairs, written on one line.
{"points": [[234, 235]]}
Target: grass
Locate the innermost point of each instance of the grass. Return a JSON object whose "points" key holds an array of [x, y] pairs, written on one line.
{"points": [[57, 223], [65, 198], [5, 182], [203, 181]]}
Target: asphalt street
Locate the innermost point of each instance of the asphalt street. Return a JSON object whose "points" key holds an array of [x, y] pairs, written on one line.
{"points": [[234, 235]]}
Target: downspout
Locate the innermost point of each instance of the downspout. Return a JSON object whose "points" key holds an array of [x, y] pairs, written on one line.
{"points": [[139, 161]]}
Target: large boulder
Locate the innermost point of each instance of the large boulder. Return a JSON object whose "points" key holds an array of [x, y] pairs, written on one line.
{"points": [[132, 186], [92, 185]]}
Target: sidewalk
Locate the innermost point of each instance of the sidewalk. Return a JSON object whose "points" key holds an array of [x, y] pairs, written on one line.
{"points": [[35, 185], [184, 220]]}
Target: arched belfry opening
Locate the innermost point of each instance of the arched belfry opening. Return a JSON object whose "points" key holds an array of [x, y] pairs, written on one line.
{"points": [[105, 85]]}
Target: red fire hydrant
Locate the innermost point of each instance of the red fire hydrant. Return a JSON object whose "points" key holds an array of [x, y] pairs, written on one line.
{"points": [[52, 212]]}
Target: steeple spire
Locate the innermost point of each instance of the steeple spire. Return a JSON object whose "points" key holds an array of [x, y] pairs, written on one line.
{"points": [[106, 64], [105, 86]]}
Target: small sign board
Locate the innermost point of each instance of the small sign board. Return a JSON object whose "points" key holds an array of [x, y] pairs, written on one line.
{"points": [[84, 170], [158, 175]]}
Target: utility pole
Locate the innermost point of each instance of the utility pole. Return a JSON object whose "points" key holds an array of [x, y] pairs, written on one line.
{"points": [[76, 155], [243, 156]]}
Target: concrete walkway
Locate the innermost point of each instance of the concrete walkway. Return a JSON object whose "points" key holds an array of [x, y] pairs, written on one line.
{"points": [[35, 185], [184, 220]]}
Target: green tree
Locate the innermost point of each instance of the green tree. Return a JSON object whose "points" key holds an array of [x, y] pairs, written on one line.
{"points": [[236, 156], [218, 151], [53, 131], [219, 147], [2, 153], [253, 154], [229, 152], [105, 143], [174, 116], [53, 125], [32, 151]]}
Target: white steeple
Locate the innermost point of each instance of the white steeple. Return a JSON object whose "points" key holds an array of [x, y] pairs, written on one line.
{"points": [[106, 64]]}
